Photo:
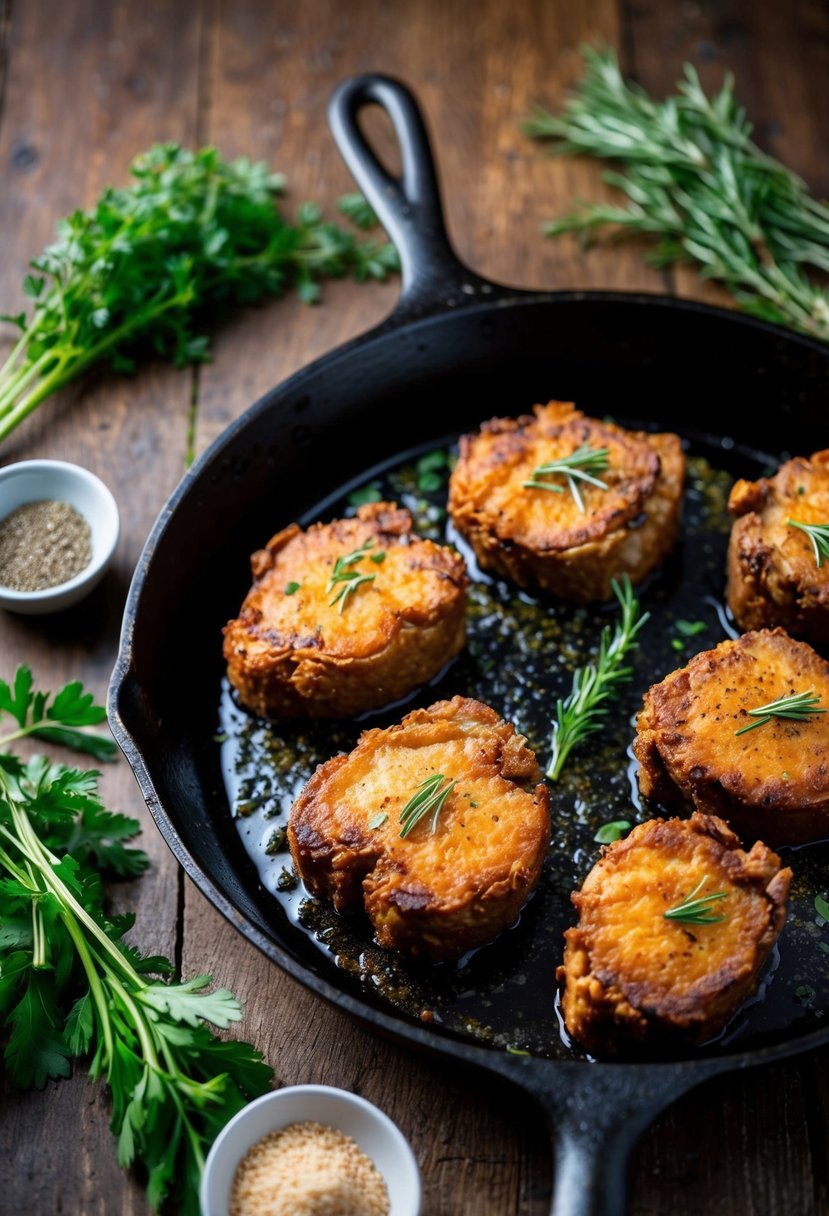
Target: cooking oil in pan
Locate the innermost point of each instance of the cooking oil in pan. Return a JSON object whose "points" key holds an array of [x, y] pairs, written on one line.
{"points": [[519, 659]]}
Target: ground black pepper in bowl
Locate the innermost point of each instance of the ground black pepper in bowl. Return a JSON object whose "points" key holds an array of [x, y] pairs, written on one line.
{"points": [[43, 544]]}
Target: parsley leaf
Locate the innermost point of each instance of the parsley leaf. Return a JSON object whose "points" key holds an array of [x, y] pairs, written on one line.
{"points": [[69, 984], [59, 722], [152, 265]]}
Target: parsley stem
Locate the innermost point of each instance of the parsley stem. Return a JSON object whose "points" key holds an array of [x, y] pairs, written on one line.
{"points": [[76, 362], [30, 729], [36, 852], [94, 981], [39, 954], [138, 1018]]}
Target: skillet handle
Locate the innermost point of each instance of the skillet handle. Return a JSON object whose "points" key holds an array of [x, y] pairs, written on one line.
{"points": [[596, 1114], [409, 207]]}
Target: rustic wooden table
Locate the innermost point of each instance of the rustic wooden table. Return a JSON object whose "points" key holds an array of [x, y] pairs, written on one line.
{"points": [[86, 85]]}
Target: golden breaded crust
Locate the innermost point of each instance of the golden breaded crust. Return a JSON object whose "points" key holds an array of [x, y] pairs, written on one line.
{"points": [[634, 979], [770, 782], [538, 538], [773, 576], [293, 653], [436, 894]]}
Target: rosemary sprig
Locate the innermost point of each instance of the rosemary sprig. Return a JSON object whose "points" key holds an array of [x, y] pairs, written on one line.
{"points": [[580, 465], [351, 579], [818, 534], [583, 711], [429, 797], [697, 183], [797, 707], [693, 911]]}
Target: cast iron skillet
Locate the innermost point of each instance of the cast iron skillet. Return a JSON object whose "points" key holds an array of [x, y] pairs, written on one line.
{"points": [[456, 350]]}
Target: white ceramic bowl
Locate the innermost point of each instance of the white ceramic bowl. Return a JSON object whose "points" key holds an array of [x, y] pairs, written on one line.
{"points": [[377, 1136], [35, 480]]}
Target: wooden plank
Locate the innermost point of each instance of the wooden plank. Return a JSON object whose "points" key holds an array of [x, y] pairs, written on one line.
{"points": [[735, 1145], [89, 86]]}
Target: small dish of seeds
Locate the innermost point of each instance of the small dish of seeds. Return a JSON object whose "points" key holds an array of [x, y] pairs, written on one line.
{"points": [[310, 1150], [59, 526]]}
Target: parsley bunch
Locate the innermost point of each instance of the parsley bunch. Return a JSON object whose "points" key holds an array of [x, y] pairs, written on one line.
{"points": [[69, 984], [150, 264]]}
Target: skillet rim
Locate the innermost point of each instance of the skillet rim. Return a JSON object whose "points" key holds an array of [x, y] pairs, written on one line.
{"points": [[407, 316]]}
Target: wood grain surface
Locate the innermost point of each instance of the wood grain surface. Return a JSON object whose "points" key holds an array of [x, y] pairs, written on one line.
{"points": [[86, 85]]}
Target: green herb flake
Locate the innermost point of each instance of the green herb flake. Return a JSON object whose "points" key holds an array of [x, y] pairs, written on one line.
{"points": [[516, 1051], [377, 820], [291, 588], [368, 493], [822, 908], [378, 558], [805, 994], [276, 842], [690, 629], [428, 469], [287, 880], [246, 806], [614, 830]]}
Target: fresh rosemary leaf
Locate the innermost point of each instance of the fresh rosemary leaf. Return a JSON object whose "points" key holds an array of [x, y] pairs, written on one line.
{"points": [[345, 573], [797, 707], [698, 909], [614, 830], [818, 534], [151, 266], [822, 907], [697, 184], [583, 711], [430, 797], [355, 581], [581, 465]]}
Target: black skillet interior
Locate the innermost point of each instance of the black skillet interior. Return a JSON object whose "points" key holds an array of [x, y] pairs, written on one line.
{"points": [[457, 351]]}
